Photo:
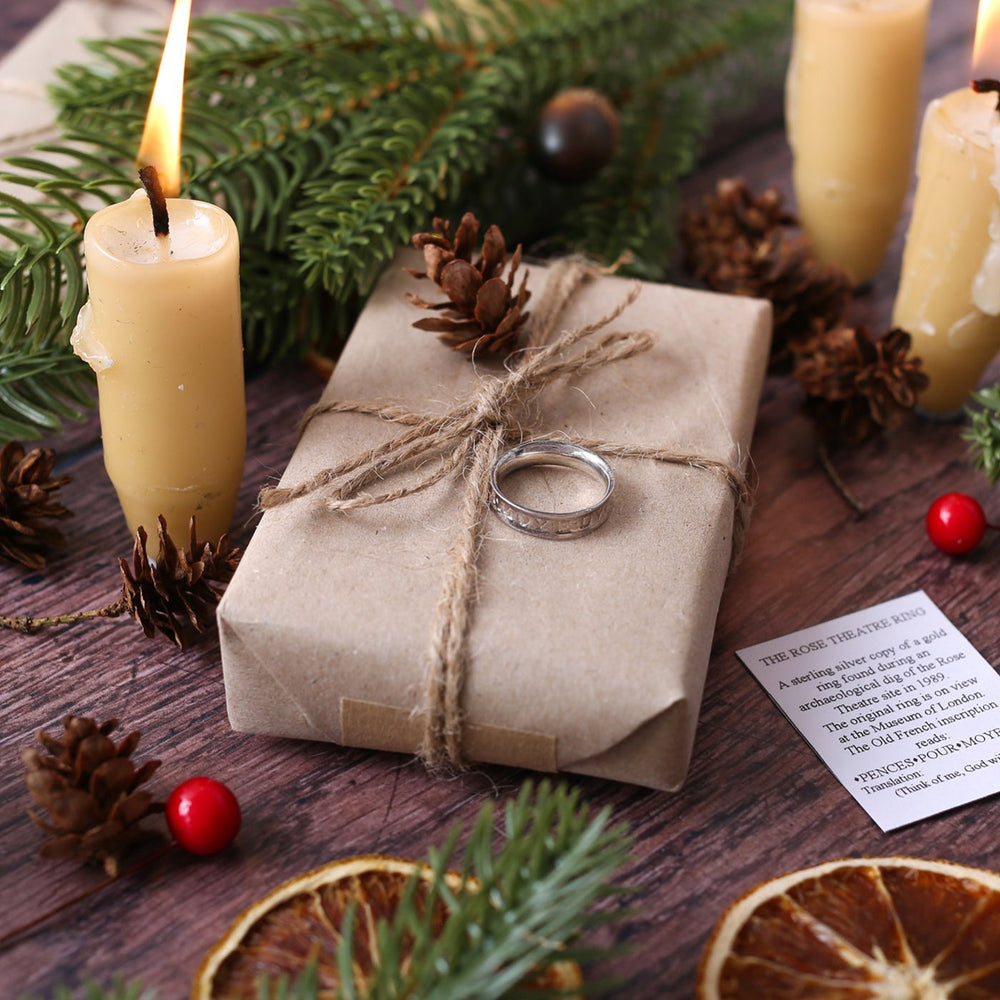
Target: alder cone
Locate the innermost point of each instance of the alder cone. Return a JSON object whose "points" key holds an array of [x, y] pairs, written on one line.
{"points": [[89, 787]]}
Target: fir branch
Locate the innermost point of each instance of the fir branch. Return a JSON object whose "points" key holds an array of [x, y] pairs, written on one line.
{"points": [[629, 208], [984, 433], [305, 987], [41, 389], [333, 129], [532, 899], [348, 230], [529, 900], [42, 212]]}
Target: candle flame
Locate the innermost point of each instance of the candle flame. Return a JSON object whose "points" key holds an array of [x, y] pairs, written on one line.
{"points": [[161, 137], [986, 50]]}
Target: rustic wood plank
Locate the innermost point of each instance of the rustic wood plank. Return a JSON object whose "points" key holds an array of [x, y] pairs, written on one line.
{"points": [[757, 800]]}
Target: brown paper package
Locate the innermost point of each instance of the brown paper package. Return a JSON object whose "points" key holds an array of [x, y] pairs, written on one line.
{"points": [[586, 655]]}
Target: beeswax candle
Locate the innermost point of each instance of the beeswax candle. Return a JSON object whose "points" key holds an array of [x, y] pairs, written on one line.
{"points": [[949, 290], [851, 112], [162, 332]]}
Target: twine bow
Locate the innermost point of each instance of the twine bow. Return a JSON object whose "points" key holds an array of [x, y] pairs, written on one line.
{"points": [[470, 437]]}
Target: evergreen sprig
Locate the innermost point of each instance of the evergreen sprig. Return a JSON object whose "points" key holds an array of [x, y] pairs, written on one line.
{"points": [[983, 434], [529, 901], [333, 129], [532, 899], [39, 389]]}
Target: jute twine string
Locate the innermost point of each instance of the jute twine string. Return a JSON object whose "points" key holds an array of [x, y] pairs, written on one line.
{"points": [[469, 438]]}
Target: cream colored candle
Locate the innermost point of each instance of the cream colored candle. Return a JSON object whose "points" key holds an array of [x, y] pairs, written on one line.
{"points": [[851, 103], [162, 332], [949, 292]]}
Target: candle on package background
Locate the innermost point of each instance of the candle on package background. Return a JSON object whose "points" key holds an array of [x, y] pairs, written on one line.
{"points": [[162, 331], [949, 290], [851, 103]]}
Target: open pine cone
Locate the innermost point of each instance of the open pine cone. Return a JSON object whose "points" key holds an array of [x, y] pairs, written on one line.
{"points": [[740, 243], [27, 503], [176, 591], [857, 385], [483, 311], [88, 785]]}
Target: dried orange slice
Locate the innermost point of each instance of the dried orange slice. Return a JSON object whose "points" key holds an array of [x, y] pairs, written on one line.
{"points": [[891, 928], [302, 920]]}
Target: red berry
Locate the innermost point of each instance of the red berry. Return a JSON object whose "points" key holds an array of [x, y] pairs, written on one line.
{"points": [[956, 523], [203, 815]]}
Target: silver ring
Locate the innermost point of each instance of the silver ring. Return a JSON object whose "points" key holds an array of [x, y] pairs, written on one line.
{"points": [[551, 524]]}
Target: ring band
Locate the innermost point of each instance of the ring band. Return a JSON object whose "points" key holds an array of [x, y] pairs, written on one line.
{"points": [[551, 524]]}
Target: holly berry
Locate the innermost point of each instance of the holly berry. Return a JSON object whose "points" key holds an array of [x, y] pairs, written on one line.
{"points": [[576, 135], [956, 523], [203, 815]]}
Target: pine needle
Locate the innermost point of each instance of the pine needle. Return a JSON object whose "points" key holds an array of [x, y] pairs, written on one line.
{"points": [[529, 900], [983, 434], [533, 898], [334, 129]]}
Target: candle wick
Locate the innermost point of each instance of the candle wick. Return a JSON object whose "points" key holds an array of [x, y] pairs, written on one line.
{"points": [[157, 200], [987, 86]]}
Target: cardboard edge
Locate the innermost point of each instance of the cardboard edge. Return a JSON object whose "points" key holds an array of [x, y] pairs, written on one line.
{"points": [[249, 682], [663, 744]]}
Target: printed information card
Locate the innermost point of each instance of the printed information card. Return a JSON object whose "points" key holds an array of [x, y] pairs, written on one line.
{"points": [[896, 701]]}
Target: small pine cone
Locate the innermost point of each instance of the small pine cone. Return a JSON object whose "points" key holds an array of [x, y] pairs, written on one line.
{"points": [[88, 785], [740, 244], [178, 590], [483, 311], [26, 501], [439, 250], [735, 212], [857, 385]]}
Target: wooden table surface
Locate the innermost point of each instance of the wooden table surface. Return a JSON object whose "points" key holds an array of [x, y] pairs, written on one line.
{"points": [[757, 801]]}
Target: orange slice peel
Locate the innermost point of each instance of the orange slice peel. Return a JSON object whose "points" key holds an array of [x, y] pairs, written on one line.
{"points": [[304, 920], [890, 928]]}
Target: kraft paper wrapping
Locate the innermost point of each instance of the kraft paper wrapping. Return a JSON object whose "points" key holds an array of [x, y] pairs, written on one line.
{"points": [[586, 655]]}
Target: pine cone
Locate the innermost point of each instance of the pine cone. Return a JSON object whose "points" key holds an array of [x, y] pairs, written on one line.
{"points": [[857, 385], [740, 244], [26, 501], [87, 785], [176, 591], [483, 311]]}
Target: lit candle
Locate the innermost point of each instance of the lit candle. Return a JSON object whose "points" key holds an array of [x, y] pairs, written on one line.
{"points": [[949, 291], [162, 331], [851, 102]]}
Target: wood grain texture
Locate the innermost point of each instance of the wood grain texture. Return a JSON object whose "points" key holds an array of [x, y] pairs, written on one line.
{"points": [[757, 801]]}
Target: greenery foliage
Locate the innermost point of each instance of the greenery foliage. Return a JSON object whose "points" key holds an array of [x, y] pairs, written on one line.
{"points": [[537, 892], [534, 897], [333, 129], [983, 433]]}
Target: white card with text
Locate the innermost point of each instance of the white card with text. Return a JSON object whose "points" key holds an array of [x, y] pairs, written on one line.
{"points": [[896, 701]]}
